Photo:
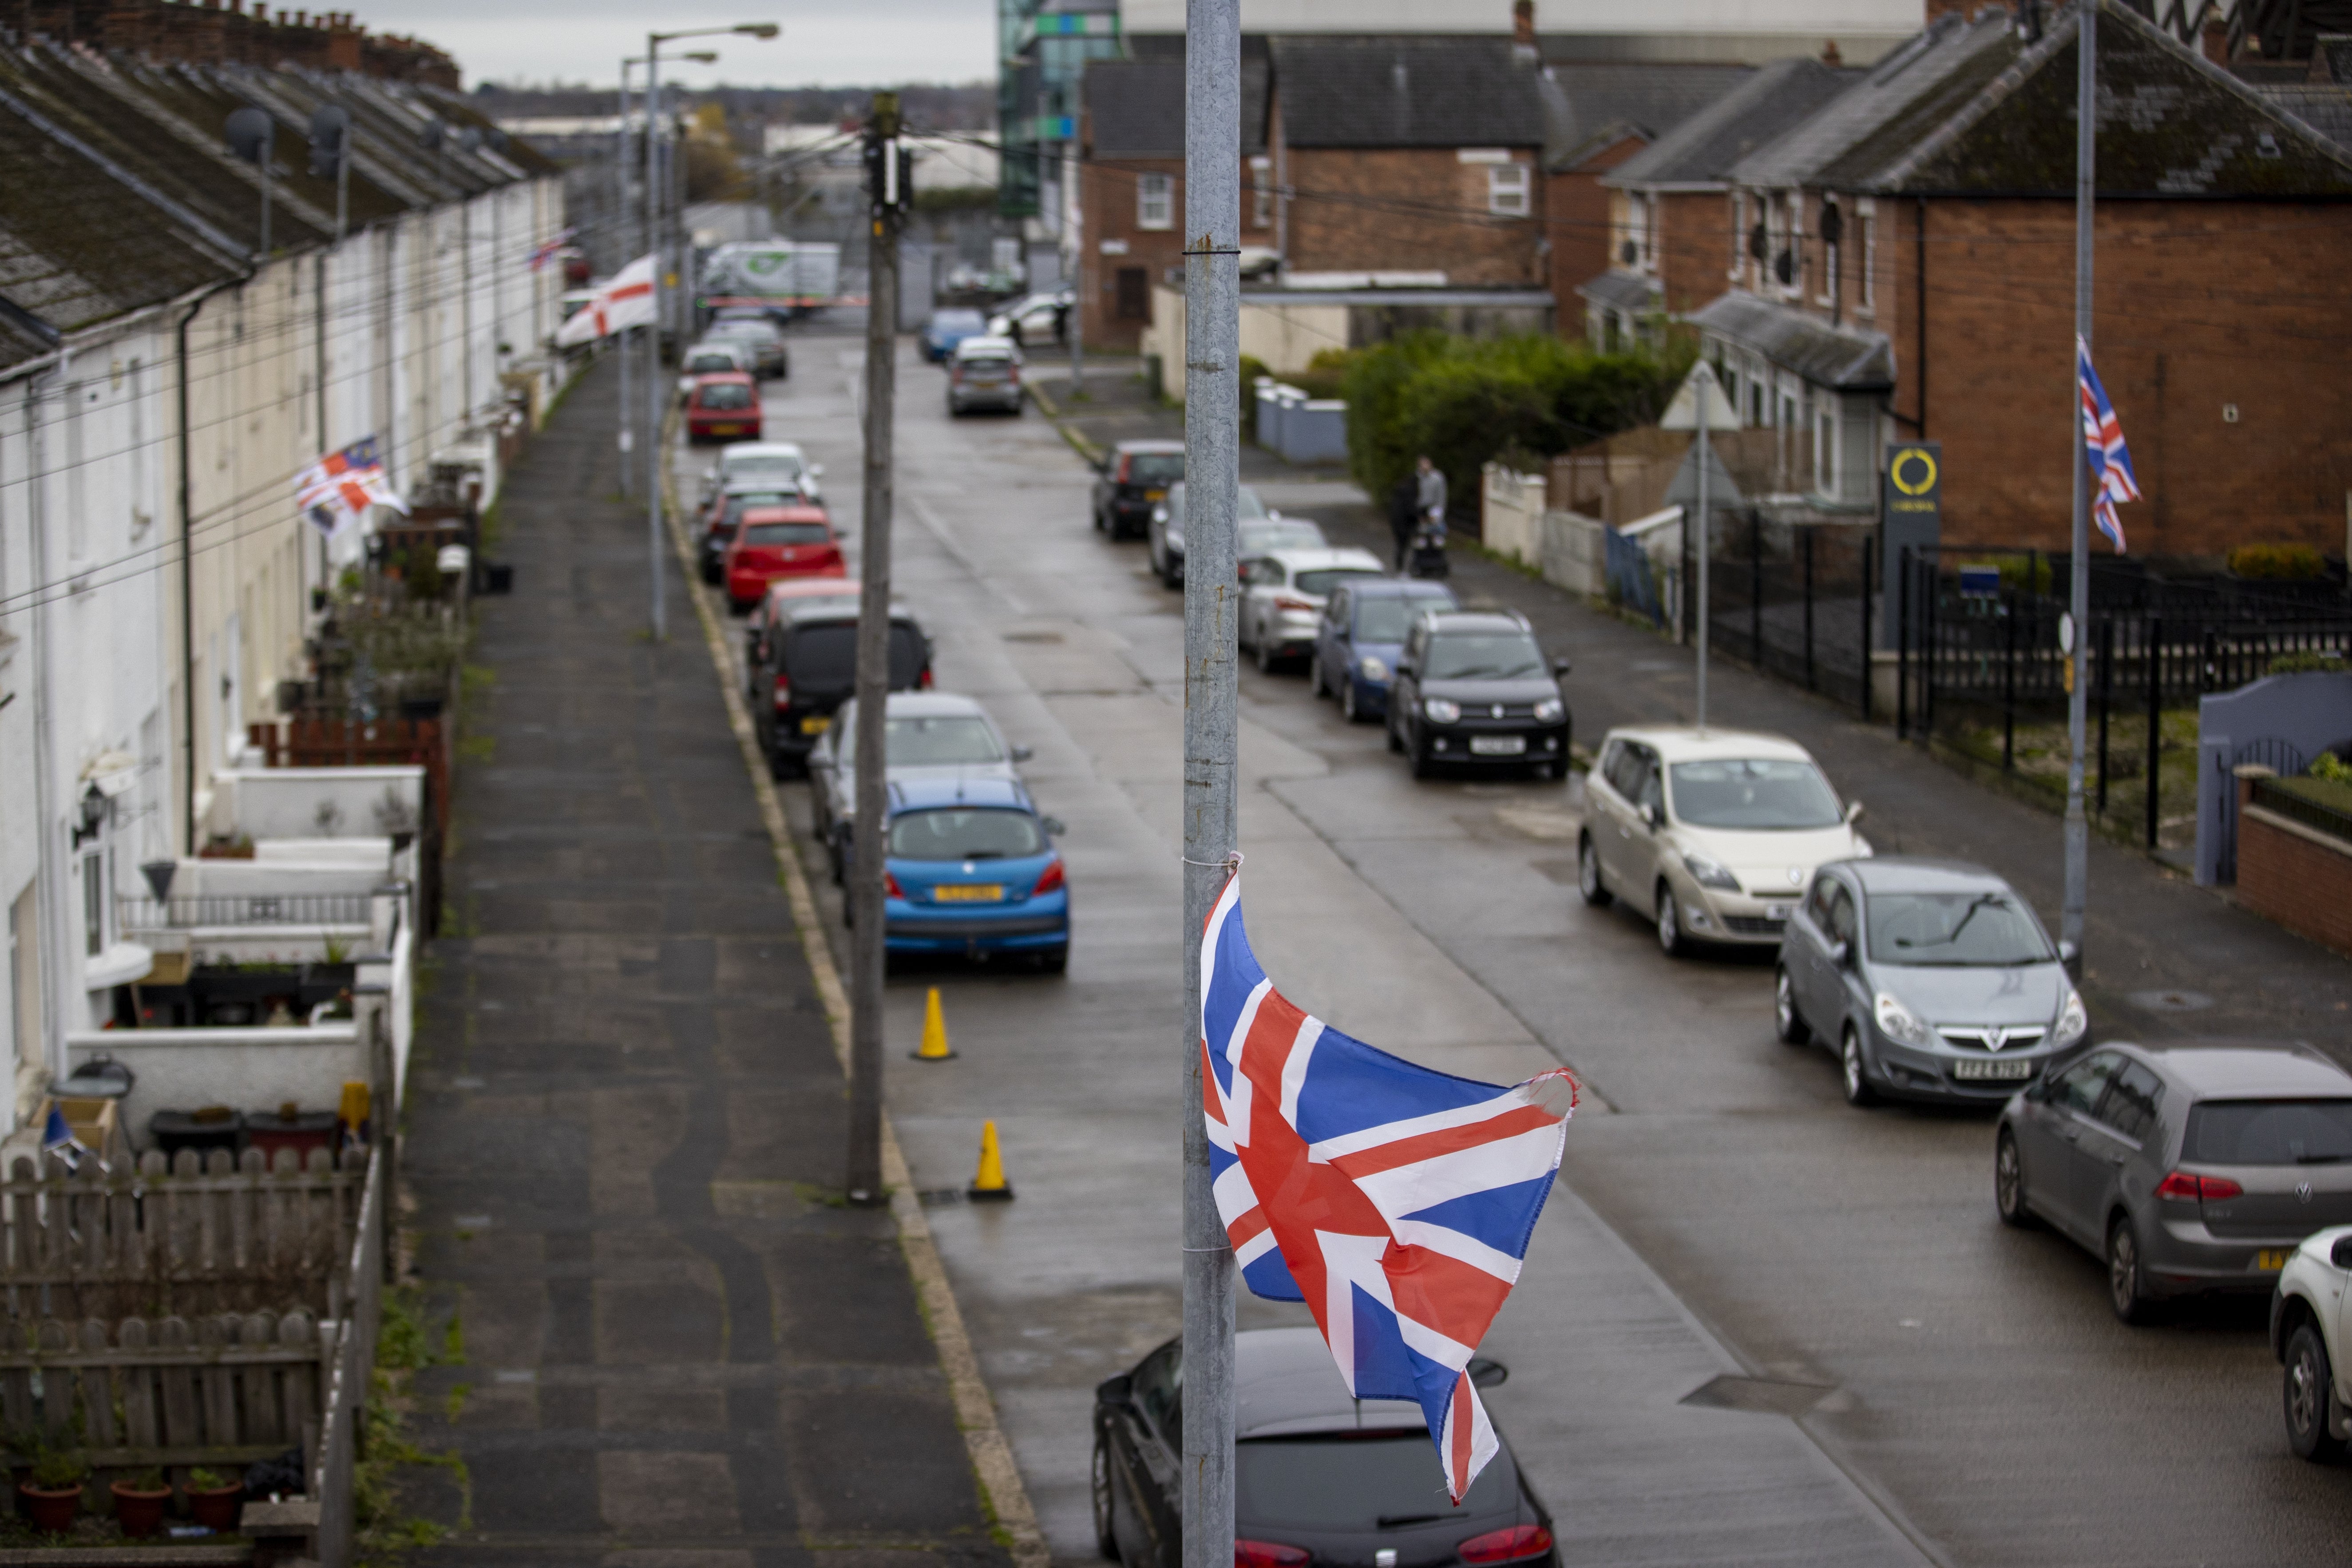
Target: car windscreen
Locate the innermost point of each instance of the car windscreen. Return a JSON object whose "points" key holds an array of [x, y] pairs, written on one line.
{"points": [[786, 533], [1483, 656], [725, 395], [1246, 504], [1324, 579], [1257, 537], [765, 463], [958, 322], [738, 505], [1763, 792], [1354, 1481], [1154, 468], [934, 740], [969, 833], [702, 364], [2269, 1132], [1959, 928], [1387, 619], [826, 655], [984, 360]]}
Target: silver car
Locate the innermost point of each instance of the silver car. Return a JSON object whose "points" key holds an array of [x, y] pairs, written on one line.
{"points": [[929, 734], [1931, 980], [2193, 1167], [1165, 534]]}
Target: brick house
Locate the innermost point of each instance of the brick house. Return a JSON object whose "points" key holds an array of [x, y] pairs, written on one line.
{"points": [[1906, 270]]}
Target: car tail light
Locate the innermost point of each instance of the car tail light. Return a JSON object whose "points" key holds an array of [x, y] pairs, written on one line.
{"points": [[2183, 1187], [1050, 879], [1266, 1554], [1285, 602], [1126, 461], [1507, 1545], [784, 698], [923, 681], [891, 885]]}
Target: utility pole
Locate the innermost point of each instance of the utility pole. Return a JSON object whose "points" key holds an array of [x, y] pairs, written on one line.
{"points": [[620, 213], [654, 454], [1703, 380], [886, 192], [1212, 291], [2078, 827]]}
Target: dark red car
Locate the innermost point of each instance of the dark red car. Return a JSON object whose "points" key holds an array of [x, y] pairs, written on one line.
{"points": [[779, 541], [723, 407]]}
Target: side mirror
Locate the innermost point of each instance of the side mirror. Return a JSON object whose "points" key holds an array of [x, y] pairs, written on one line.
{"points": [[1559, 668], [1853, 812], [2340, 1253], [1115, 1392], [1652, 816], [1840, 953], [816, 471], [1054, 826], [2069, 954], [1023, 754], [1486, 1373]]}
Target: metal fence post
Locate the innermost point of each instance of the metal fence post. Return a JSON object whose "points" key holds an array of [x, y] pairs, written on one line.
{"points": [[2154, 663], [1756, 586], [1867, 563], [2106, 688], [1902, 646], [2009, 683], [1926, 565], [1809, 614]]}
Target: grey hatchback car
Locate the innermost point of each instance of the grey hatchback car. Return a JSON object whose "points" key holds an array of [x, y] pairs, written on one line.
{"points": [[1931, 980], [2193, 1167]]}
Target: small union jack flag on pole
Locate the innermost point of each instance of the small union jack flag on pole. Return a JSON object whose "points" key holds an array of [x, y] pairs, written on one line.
{"points": [[341, 486], [1396, 1201], [544, 252], [2112, 479]]}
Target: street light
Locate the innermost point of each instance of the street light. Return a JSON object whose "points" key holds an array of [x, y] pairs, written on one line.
{"points": [[653, 41]]}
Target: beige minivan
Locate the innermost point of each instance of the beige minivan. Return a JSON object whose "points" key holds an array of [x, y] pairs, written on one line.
{"points": [[1712, 832]]}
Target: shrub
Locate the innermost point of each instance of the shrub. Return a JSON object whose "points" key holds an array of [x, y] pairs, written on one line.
{"points": [[2277, 562], [1251, 367], [1467, 400], [2309, 661], [2329, 766], [55, 1469]]}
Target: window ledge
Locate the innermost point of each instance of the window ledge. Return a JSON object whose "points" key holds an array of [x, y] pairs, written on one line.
{"points": [[123, 963]]}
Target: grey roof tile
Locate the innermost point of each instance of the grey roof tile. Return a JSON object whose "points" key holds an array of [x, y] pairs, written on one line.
{"points": [[1135, 109], [1408, 92], [2326, 108], [1843, 357], [1704, 147], [1644, 99]]}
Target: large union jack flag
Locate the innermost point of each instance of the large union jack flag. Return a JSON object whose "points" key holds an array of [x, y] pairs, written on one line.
{"points": [[2112, 479], [1396, 1201]]}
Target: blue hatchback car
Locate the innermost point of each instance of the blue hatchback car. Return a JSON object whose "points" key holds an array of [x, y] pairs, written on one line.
{"points": [[948, 328], [971, 870], [1362, 634]]}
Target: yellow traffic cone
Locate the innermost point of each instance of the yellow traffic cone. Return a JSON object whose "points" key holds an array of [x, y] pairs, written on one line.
{"points": [[935, 1031], [988, 1184]]}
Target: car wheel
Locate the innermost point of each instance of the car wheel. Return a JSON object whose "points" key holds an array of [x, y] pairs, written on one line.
{"points": [[1105, 1536], [2127, 1295], [1670, 923], [1396, 741], [1587, 873], [1315, 676], [1100, 527], [776, 767], [1348, 708], [2306, 1384], [1424, 765], [1853, 1073], [2009, 1183], [1263, 648], [1787, 1019], [1055, 960]]}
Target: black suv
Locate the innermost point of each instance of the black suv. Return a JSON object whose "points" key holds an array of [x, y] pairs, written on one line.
{"points": [[810, 668], [1473, 686], [1131, 480]]}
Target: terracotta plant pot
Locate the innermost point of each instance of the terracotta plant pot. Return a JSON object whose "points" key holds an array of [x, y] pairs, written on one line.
{"points": [[139, 1512], [216, 1509], [50, 1512]]}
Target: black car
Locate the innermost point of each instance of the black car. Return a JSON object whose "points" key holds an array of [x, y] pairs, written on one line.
{"points": [[1131, 480], [810, 668], [1321, 1479], [1473, 688], [726, 515]]}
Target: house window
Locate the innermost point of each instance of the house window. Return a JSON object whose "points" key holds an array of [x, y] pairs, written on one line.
{"points": [[1155, 201], [1865, 245], [1739, 201], [1791, 267], [1508, 190], [1826, 445], [1261, 193], [93, 904], [1832, 234]]}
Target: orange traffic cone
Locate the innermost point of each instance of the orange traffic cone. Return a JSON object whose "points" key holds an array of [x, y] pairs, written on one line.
{"points": [[935, 1047], [988, 1184]]}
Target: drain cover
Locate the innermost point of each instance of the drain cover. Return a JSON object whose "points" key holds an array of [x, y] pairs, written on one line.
{"points": [[1770, 1395], [940, 1198], [2169, 1001]]}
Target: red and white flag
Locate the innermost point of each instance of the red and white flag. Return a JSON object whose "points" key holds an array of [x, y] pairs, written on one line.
{"points": [[623, 301], [340, 487]]}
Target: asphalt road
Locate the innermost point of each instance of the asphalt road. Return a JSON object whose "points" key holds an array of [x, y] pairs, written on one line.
{"points": [[1755, 1325]]}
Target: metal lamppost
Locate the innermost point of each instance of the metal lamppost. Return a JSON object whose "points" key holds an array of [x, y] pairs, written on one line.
{"points": [[621, 155], [653, 41]]}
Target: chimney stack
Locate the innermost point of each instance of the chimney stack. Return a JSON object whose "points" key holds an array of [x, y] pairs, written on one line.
{"points": [[1523, 23], [2216, 39], [1829, 55]]}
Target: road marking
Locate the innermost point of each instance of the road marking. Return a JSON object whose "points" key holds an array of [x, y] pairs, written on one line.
{"points": [[992, 1455]]}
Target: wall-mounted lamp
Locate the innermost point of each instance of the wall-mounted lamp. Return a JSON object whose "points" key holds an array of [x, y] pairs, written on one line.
{"points": [[93, 815]]}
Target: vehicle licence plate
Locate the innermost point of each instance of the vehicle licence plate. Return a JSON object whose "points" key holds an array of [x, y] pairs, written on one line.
{"points": [[1155, 495], [2272, 1259], [1498, 745], [969, 893], [815, 724], [727, 429], [1993, 1069]]}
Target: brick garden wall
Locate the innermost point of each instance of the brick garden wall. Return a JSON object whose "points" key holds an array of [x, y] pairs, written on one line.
{"points": [[2302, 882]]}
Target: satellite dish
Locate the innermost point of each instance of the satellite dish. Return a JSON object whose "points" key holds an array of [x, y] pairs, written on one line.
{"points": [[468, 139], [430, 137], [330, 128], [250, 134]]}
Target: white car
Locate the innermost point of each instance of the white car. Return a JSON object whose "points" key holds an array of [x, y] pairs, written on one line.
{"points": [[1031, 320], [1713, 834], [984, 372], [710, 357], [2311, 1333], [752, 460], [1284, 593]]}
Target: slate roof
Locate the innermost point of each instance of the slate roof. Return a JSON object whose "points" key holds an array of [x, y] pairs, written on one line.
{"points": [[2326, 108], [1704, 147], [1410, 92], [1605, 102], [1622, 291], [1135, 108], [1840, 357]]}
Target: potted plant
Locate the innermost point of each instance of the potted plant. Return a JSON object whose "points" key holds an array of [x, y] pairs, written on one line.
{"points": [[213, 1499], [138, 1502], [51, 1494]]}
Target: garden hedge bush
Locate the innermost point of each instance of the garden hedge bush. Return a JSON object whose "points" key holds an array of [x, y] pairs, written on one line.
{"points": [[2278, 562]]}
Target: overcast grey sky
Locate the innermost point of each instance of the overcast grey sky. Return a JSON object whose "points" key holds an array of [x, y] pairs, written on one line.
{"points": [[825, 42]]}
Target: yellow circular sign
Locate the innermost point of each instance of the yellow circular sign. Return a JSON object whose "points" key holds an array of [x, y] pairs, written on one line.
{"points": [[1920, 485]]}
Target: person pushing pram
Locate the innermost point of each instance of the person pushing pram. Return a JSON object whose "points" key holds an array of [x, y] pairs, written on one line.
{"points": [[1427, 555]]}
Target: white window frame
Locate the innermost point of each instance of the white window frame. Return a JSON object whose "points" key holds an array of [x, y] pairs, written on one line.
{"points": [[1510, 190], [1825, 443], [1865, 217], [1155, 201], [1738, 200], [1775, 225], [1829, 260], [1794, 289], [1261, 191]]}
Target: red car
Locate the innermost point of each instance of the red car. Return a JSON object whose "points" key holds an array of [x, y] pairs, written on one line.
{"points": [[723, 407], [779, 541]]}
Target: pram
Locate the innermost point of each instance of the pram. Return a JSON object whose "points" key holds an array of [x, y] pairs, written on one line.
{"points": [[1427, 556]]}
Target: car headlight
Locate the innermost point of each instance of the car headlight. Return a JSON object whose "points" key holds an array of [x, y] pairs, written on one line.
{"points": [[1707, 872], [1160, 514], [1371, 668], [2073, 1020], [1897, 1022], [1440, 710], [1551, 711]]}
